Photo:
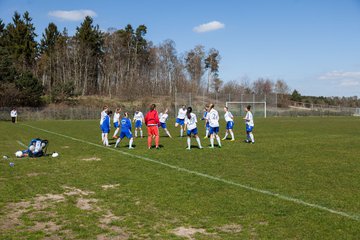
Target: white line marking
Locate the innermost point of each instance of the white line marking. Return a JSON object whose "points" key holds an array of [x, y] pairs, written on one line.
{"points": [[266, 192], [22, 144]]}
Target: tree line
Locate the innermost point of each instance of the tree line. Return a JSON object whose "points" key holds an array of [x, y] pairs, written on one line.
{"points": [[117, 63]]}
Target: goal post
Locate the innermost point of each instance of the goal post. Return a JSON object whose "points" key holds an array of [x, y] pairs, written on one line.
{"points": [[256, 107]]}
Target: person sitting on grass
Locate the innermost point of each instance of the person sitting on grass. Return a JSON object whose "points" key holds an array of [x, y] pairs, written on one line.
{"points": [[37, 148]]}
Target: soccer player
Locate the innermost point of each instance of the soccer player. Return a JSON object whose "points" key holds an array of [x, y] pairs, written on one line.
{"points": [[152, 122], [207, 126], [180, 119], [249, 123], [105, 127], [102, 116], [190, 124], [138, 119], [13, 115], [125, 131], [213, 118], [229, 118], [163, 117], [116, 122]]}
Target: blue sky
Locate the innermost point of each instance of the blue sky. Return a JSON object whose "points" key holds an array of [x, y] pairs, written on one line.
{"points": [[313, 45]]}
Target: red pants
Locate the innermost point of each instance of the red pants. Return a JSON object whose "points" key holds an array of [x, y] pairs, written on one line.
{"points": [[153, 131]]}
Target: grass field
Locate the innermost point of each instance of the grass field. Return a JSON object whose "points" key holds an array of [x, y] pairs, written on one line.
{"points": [[301, 180]]}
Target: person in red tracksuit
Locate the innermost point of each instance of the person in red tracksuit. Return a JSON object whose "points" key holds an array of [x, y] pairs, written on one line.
{"points": [[152, 122]]}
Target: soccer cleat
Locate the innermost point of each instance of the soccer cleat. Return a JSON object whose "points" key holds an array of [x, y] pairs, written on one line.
{"points": [[157, 148], [219, 146], [223, 139], [211, 147], [200, 147], [188, 148], [232, 140], [131, 148], [205, 137]]}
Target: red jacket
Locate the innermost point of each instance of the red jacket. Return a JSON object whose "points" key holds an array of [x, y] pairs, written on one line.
{"points": [[152, 118]]}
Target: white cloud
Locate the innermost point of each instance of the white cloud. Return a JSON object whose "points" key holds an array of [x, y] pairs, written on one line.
{"points": [[72, 15], [342, 79], [207, 27]]}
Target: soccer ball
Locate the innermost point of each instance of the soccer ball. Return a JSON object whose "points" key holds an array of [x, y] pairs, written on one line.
{"points": [[19, 154], [55, 154]]}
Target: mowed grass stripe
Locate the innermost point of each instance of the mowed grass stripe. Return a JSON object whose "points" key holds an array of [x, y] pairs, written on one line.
{"points": [[265, 192]]}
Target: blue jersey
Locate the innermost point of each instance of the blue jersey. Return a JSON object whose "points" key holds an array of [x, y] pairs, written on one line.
{"points": [[125, 124], [105, 126]]}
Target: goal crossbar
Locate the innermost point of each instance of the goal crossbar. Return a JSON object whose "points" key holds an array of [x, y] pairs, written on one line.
{"points": [[226, 104]]}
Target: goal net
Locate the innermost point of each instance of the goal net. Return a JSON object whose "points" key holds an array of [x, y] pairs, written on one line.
{"points": [[357, 112], [258, 109]]}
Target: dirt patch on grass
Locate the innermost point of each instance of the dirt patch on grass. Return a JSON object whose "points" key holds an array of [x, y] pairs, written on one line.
{"points": [[105, 223], [34, 174], [48, 227], [87, 204], [70, 191], [110, 186], [231, 228], [188, 232], [44, 207], [91, 159]]}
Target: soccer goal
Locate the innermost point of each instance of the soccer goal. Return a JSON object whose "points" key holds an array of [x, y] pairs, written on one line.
{"points": [[257, 108], [357, 112]]}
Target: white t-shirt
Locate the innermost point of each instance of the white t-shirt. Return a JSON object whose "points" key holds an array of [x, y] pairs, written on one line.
{"points": [[138, 116], [102, 117], [163, 117], [213, 118], [190, 123], [250, 119], [181, 113], [228, 117], [116, 117], [13, 113]]}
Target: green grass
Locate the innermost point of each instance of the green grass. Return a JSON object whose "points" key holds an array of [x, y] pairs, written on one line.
{"points": [[315, 160]]}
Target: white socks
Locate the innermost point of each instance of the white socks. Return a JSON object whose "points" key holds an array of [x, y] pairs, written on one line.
{"points": [[135, 132], [106, 141], [117, 142], [189, 142], [141, 133], [130, 142], [218, 140], [226, 134], [252, 137], [168, 133], [212, 141], [232, 135], [198, 141], [181, 132], [116, 132]]}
